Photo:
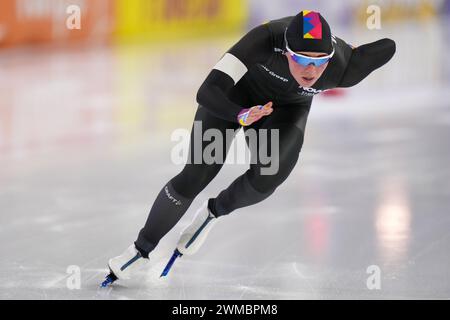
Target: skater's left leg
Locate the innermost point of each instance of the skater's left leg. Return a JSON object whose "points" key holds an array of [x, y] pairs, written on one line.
{"points": [[253, 186], [256, 184]]}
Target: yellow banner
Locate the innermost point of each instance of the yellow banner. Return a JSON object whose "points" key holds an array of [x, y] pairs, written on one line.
{"points": [[169, 19]]}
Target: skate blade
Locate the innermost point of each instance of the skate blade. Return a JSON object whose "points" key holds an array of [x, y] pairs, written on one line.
{"points": [[174, 257], [109, 280]]}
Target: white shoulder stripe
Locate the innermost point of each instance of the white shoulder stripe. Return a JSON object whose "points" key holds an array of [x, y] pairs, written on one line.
{"points": [[232, 66]]}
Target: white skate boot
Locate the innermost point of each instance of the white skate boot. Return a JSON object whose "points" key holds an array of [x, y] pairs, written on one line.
{"points": [[123, 266], [193, 236]]}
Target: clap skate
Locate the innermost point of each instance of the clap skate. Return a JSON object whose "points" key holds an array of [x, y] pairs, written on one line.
{"points": [[123, 266], [193, 236]]}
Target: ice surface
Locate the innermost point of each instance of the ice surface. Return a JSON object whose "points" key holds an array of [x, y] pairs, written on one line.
{"points": [[85, 148]]}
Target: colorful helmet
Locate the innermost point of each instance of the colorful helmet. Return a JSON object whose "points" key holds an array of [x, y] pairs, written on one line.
{"points": [[309, 31]]}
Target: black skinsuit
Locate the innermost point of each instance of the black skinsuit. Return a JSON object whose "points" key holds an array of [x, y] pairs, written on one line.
{"points": [[263, 76]]}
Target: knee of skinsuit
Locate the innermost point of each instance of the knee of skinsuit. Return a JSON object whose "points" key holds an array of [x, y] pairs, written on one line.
{"points": [[281, 165], [166, 211]]}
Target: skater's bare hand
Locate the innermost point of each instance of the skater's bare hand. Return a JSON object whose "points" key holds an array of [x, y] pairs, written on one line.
{"points": [[248, 116]]}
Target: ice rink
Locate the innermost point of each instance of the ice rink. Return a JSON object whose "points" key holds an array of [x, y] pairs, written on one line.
{"points": [[85, 147]]}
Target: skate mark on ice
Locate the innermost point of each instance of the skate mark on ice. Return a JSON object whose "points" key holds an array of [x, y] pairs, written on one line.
{"points": [[303, 277], [267, 265], [428, 248]]}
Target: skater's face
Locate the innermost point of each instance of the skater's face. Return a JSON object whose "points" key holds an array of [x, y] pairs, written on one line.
{"points": [[306, 76]]}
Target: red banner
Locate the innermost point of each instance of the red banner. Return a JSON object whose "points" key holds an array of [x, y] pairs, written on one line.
{"points": [[24, 21]]}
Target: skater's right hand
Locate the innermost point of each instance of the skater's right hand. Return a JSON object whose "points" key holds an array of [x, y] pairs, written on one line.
{"points": [[248, 116]]}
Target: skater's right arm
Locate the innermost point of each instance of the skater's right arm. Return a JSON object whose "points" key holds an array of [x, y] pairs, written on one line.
{"points": [[254, 47]]}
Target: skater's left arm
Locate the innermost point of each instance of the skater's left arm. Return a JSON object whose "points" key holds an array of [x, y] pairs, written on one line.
{"points": [[365, 59]]}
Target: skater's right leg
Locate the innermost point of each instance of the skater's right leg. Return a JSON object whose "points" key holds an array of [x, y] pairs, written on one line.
{"points": [[175, 198]]}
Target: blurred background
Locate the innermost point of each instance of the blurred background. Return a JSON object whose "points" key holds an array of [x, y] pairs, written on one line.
{"points": [[86, 117]]}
